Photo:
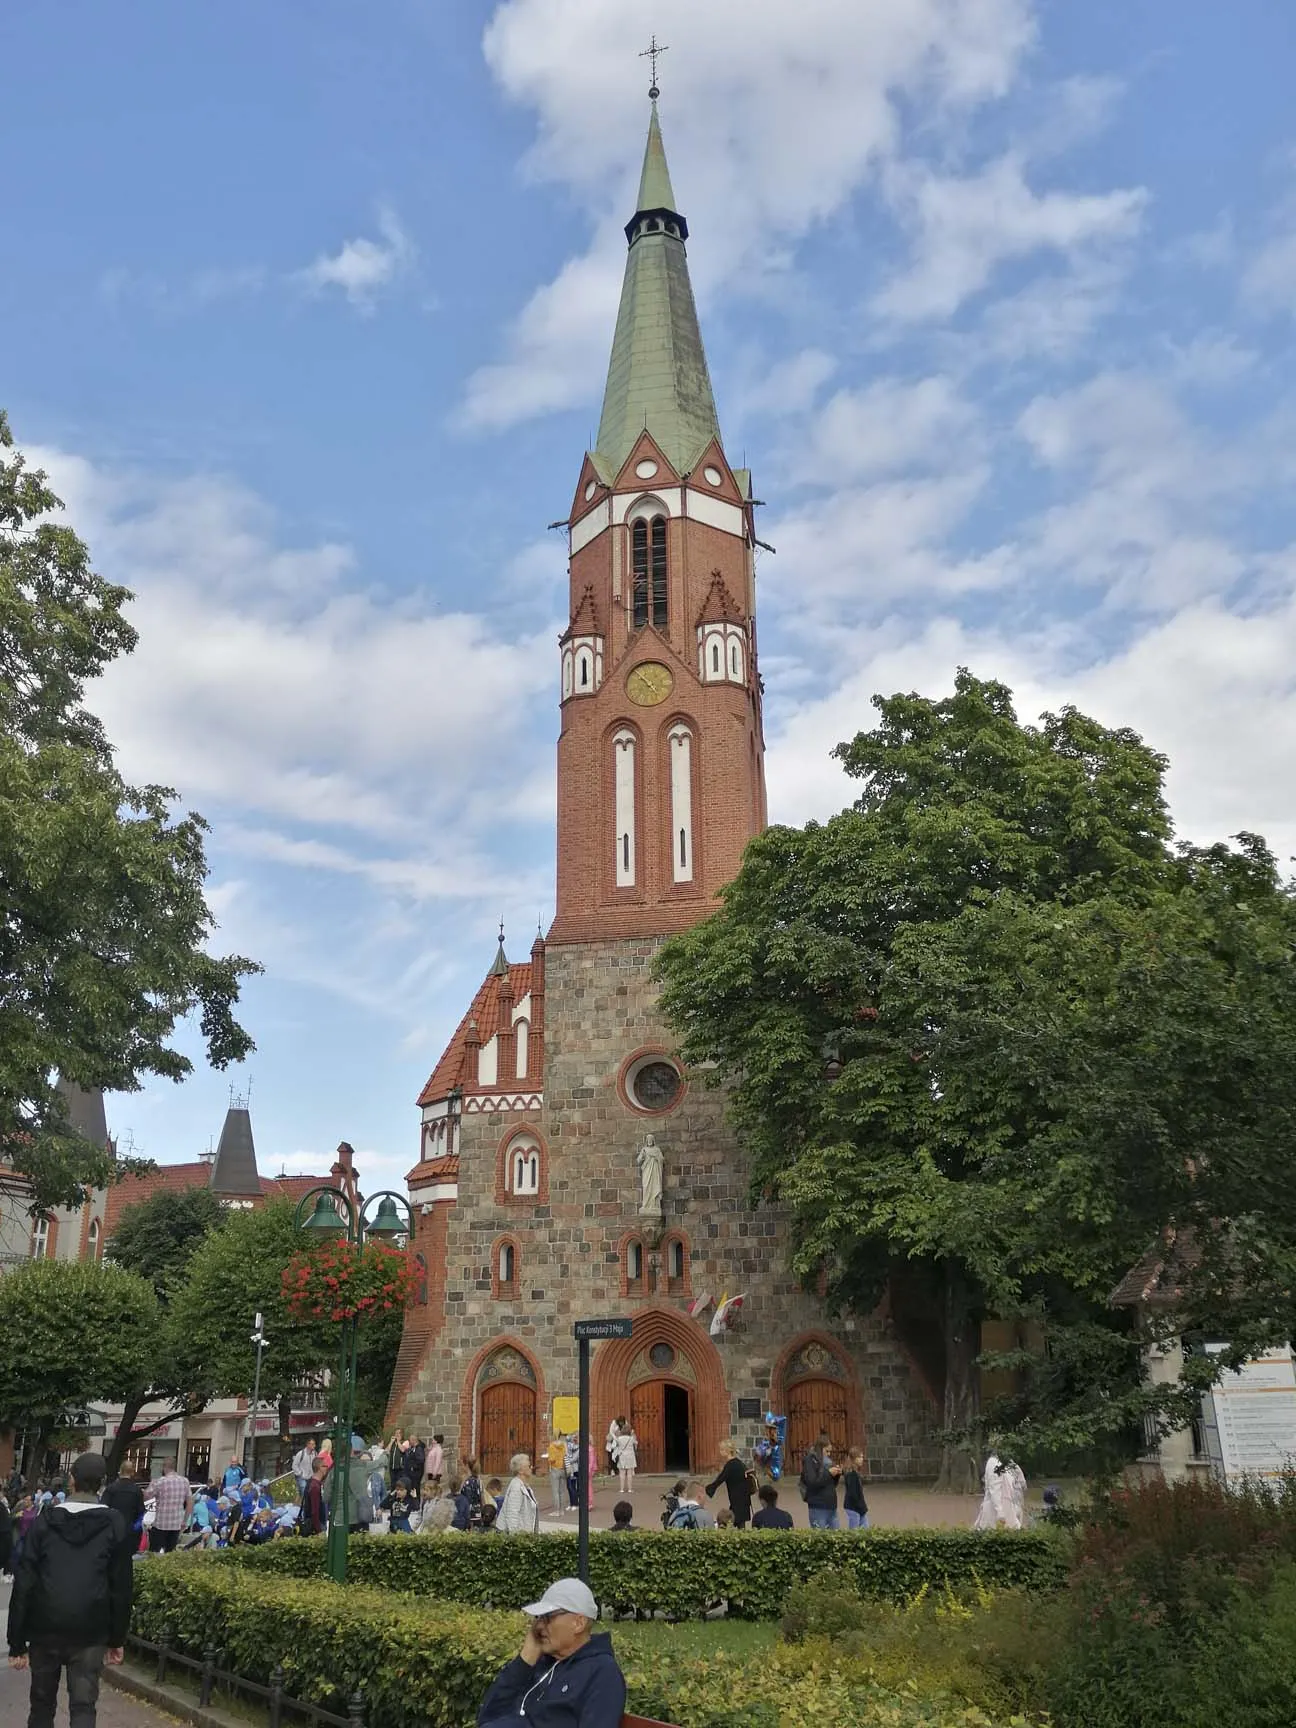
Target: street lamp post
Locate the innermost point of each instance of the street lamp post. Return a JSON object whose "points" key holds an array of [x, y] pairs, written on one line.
{"points": [[326, 1224], [260, 1340]]}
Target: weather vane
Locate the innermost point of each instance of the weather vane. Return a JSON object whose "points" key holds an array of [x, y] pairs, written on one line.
{"points": [[653, 52]]}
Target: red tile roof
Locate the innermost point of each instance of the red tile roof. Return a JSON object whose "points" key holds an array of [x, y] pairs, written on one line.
{"points": [[719, 607], [443, 1169], [585, 619], [450, 1071], [178, 1178]]}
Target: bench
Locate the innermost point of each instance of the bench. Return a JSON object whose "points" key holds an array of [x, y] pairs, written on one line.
{"points": [[643, 1722]]}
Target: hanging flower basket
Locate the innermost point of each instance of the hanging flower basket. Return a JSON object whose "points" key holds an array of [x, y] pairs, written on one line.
{"points": [[342, 1282]]}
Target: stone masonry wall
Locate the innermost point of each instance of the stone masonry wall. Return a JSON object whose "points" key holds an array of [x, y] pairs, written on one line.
{"points": [[600, 1014]]}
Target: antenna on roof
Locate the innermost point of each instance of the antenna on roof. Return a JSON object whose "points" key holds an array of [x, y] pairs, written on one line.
{"points": [[654, 52]]}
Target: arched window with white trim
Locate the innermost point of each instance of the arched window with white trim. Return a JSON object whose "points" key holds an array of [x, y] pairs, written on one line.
{"points": [[648, 572], [680, 745], [522, 1029], [524, 1167], [92, 1239], [40, 1239], [624, 745]]}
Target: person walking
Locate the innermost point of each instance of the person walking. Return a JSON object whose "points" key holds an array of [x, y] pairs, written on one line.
{"points": [[303, 1465], [71, 1603], [572, 1449], [819, 1477], [172, 1501], [518, 1513], [627, 1458], [738, 1482], [556, 1459], [854, 1504]]}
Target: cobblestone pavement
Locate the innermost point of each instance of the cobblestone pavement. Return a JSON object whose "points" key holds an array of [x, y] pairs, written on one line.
{"points": [[115, 1709]]}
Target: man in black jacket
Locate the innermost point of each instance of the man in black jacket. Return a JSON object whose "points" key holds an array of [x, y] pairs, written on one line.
{"points": [[127, 1497], [71, 1599]]}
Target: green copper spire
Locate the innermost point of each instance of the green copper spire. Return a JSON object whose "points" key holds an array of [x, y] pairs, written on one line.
{"points": [[657, 377], [654, 183]]}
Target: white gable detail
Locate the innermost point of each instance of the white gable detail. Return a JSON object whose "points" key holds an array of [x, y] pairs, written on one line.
{"points": [[716, 512], [488, 1062], [590, 526]]}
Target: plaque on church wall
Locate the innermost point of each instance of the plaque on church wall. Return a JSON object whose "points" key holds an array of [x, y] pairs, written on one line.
{"points": [[747, 1408]]}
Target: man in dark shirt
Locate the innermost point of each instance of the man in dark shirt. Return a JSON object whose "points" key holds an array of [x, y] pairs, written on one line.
{"points": [[127, 1497], [771, 1515]]}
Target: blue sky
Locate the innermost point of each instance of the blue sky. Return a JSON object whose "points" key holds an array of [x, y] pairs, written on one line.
{"points": [[306, 310]]}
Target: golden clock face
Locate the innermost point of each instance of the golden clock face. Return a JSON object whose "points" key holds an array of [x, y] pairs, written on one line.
{"points": [[649, 684]]}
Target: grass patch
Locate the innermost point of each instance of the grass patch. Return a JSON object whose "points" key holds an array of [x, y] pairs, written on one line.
{"points": [[687, 1638]]}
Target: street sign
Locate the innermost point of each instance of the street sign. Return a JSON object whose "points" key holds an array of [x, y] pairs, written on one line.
{"points": [[603, 1329]]}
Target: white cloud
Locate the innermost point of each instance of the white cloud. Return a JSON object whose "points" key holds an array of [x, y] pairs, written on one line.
{"points": [[889, 426], [361, 267], [774, 116], [1269, 281], [965, 227]]}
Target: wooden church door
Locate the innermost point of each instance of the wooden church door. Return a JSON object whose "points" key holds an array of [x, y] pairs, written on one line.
{"points": [[812, 1406], [507, 1424], [646, 1418]]}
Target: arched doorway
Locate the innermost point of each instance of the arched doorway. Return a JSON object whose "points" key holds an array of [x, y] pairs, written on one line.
{"points": [[817, 1397], [668, 1379], [506, 1410]]}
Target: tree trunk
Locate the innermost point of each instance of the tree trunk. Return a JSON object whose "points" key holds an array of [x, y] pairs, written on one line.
{"points": [[125, 1432], [285, 1434], [36, 1445], [959, 1473]]}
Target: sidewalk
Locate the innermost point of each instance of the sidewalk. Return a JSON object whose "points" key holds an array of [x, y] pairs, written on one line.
{"points": [[116, 1710], [890, 1504]]}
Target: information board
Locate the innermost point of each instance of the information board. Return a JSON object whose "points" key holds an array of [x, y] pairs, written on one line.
{"points": [[1250, 1417], [566, 1416], [747, 1408]]}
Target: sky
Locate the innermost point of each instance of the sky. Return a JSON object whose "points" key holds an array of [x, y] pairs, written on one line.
{"points": [[306, 309]]}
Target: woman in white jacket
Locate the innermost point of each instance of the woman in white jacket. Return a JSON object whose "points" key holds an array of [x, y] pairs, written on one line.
{"points": [[627, 1458], [519, 1513]]}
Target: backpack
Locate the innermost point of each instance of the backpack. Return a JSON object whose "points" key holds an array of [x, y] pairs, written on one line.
{"points": [[683, 1519], [753, 1486]]}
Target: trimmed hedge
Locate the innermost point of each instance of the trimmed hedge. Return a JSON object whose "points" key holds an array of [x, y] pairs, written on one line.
{"points": [[682, 1574], [427, 1665]]}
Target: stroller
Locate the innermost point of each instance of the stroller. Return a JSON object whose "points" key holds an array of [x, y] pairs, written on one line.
{"points": [[671, 1502]]}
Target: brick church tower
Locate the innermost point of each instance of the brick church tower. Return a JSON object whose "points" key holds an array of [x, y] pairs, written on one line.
{"points": [[568, 1168]]}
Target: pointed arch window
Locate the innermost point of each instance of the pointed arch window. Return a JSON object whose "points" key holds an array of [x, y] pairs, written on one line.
{"points": [[648, 567], [634, 1268], [681, 784], [92, 1240], [623, 748]]}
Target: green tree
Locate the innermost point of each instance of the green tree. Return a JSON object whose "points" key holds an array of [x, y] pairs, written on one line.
{"points": [[156, 1239], [991, 1037], [75, 1332], [103, 923], [235, 1274]]}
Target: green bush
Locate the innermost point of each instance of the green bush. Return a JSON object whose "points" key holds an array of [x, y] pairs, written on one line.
{"points": [[427, 1665], [684, 1575]]}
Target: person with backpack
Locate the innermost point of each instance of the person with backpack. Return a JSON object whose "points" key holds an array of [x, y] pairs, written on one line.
{"points": [[691, 1514], [71, 1603], [739, 1483], [818, 1484]]}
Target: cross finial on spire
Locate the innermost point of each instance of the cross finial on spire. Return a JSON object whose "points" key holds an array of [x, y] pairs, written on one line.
{"points": [[654, 52]]}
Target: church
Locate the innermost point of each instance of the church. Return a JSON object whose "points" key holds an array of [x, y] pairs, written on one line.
{"points": [[569, 1167]]}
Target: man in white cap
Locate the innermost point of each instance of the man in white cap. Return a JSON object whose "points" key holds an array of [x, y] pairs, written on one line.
{"points": [[565, 1675]]}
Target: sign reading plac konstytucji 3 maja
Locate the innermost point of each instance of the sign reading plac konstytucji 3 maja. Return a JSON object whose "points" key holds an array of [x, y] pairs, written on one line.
{"points": [[603, 1329]]}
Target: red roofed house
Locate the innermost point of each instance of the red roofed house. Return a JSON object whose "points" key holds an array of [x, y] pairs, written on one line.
{"points": [[568, 1166]]}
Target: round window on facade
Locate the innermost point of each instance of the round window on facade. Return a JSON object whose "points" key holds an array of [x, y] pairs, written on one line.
{"points": [[653, 1083], [662, 1357]]}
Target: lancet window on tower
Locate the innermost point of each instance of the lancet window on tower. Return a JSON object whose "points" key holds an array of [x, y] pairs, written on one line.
{"points": [[623, 749], [648, 566]]}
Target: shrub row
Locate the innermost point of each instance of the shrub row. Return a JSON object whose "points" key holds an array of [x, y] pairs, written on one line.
{"points": [[427, 1665], [683, 1575]]}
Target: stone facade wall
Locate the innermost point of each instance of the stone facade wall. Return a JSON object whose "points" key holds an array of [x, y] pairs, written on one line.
{"points": [[600, 1014]]}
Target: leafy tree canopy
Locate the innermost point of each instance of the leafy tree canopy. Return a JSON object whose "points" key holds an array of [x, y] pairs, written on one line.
{"points": [[993, 1037], [157, 1237], [103, 925], [234, 1274], [75, 1332]]}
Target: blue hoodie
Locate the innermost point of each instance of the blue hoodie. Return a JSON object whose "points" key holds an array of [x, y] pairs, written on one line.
{"points": [[585, 1690]]}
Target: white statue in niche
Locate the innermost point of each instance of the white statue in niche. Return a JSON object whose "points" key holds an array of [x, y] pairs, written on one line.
{"points": [[652, 1163]]}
